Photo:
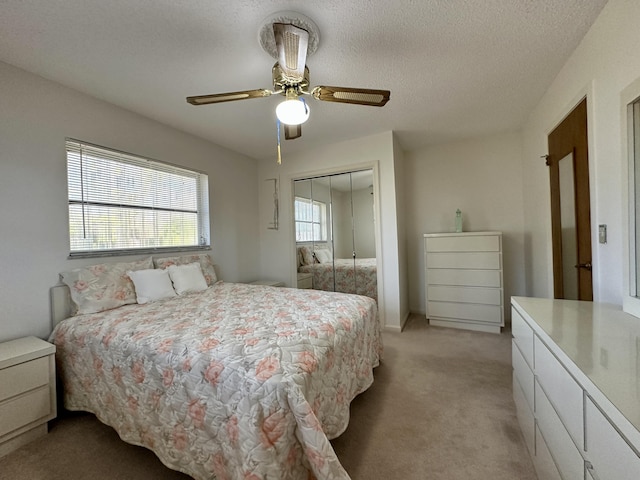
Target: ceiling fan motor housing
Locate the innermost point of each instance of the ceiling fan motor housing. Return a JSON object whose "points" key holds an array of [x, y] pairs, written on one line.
{"points": [[282, 83]]}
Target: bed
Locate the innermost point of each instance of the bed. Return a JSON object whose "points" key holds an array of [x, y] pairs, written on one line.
{"points": [[233, 381], [346, 275]]}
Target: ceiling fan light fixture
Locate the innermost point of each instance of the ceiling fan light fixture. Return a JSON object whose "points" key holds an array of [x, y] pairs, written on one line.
{"points": [[293, 111]]}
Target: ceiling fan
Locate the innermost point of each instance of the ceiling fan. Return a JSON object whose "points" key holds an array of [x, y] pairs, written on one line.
{"points": [[290, 38]]}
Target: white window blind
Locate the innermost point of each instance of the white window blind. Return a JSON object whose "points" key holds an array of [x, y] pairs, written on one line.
{"points": [[122, 203], [311, 220]]}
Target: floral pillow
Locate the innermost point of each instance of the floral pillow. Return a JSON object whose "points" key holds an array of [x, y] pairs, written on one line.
{"points": [[102, 287], [307, 256], [206, 264]]}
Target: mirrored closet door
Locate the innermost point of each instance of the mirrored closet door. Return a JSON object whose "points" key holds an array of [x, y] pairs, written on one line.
{"points": [[335, 233]]}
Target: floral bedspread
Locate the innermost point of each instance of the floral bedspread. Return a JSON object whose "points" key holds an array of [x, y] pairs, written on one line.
{"points": [[363, 280], [239, 381]]}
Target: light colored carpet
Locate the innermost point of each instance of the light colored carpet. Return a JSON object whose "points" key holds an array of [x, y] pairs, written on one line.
{"points": [[440, 408]]}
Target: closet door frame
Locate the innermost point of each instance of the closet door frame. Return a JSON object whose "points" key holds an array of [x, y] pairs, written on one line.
{"points": [[374, 166]]}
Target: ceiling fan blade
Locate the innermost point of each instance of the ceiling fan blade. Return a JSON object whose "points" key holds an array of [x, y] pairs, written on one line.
{"points": [[292, 43], [291, 132], [228, 97], [358, 96]]}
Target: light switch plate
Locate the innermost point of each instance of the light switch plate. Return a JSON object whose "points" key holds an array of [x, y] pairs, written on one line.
{"points": [[602, 233]]}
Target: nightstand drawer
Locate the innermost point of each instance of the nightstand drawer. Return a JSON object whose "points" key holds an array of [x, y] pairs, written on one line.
{"points": [[24, 377], [24, 409]]}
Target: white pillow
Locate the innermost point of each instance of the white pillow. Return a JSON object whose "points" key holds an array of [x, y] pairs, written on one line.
{"points": [[323, 255], [187, 278], [151, 285]]}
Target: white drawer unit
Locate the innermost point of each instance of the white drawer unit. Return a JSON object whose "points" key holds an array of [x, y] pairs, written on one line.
{"points": [[583, 359], [27, 391], [464, 285]]}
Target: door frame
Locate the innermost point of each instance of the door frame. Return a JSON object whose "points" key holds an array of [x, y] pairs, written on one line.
{"points": [[373, 165], [564, 139]]}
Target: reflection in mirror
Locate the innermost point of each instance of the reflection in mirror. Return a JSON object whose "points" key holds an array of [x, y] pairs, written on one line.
{"points": [[336, 249], [569, 231]]}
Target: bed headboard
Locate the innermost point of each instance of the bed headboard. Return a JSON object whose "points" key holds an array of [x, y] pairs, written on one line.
{"points": [[60, 303]]}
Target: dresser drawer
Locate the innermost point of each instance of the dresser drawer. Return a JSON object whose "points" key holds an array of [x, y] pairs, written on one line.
{"points": [[565, 453], [24, 409], [468, 260], [464, 243], [464, 311], [523, 374], [566, 396], [524, 412], [469, 278], [523, 336], [482, 295], [610, 454], [23, 377], [543, 461]]}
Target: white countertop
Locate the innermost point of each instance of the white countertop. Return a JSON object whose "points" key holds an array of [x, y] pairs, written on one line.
{"points": [[603, 343]]}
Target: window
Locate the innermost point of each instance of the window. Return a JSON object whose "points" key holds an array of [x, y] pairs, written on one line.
{"points": [[311, 220], [630, 103], [121, 203]]}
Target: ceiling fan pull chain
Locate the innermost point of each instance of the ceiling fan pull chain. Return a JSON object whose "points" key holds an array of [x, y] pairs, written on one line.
{"points": [[279, 153]]}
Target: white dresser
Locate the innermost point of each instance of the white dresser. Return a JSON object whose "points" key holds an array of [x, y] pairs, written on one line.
{"points": [[27, 391], [463, 286], [576, 386]]}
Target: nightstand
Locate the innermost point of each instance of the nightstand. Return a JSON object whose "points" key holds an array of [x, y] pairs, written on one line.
{"points": [[305, 280], [270, 283], [27, 391]]}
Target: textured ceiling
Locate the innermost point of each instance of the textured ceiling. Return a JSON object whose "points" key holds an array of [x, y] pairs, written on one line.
{"points": [[455, 68]]}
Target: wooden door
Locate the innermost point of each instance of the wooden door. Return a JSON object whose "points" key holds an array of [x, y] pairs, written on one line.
{"points": [[568, 162]]}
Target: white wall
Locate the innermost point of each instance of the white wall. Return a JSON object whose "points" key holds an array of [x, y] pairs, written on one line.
{"points": [[277, 251], [35, 117], [482, 178], [604, 63]]}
